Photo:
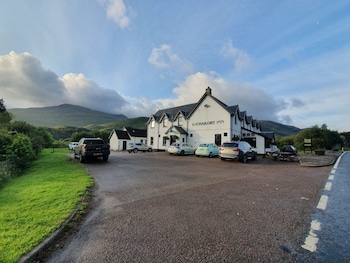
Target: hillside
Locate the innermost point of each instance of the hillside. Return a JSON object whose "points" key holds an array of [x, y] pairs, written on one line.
{"points": [[278, 128], [64, 115], [67, 119]]}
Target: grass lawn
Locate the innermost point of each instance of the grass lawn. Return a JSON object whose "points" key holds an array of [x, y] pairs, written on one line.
{"points": [[35, 204]]}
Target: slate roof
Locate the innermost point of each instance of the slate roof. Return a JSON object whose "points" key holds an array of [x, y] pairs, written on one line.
{"points": [[188, 109], [122, 135], [178, 128], [136, 132]]}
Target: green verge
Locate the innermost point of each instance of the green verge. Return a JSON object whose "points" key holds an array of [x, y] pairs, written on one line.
{"points": [[37, 203]]}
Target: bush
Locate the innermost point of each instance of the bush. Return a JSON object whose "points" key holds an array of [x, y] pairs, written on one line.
{"points": [[22, 148], [7, 168]]}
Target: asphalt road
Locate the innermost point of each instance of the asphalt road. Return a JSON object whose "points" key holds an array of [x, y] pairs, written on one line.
{"points": [[328, 240], [154, 207]]}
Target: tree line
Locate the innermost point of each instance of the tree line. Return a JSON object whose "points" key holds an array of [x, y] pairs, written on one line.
{"points": [[20, 144], [321, 137]]}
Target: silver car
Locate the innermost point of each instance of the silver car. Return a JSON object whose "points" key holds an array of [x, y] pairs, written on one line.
{"points": [[181, 148], [138, 146], [239, 150]]}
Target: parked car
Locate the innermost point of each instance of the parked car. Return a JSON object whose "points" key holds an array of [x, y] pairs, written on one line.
{"points": [[240, 150], [138, 146], [181, 148], [91, 148], [72, 145], [207, 149]]}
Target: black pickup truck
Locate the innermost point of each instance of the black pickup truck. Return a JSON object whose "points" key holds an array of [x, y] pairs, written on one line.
{"points": [[89, 148]]}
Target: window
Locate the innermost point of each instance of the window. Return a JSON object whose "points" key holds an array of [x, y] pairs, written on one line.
{"points": [[151, 140], [180, 119], [164, 140], [152, 123], [183, 139], [225, 133], [165, 122]]}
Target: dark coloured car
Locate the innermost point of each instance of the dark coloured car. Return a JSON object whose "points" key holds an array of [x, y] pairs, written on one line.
{"points": [[91, 148], [239, 150]]}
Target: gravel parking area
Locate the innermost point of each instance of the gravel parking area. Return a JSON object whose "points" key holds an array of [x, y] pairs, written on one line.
{"points": [[154, 207]]}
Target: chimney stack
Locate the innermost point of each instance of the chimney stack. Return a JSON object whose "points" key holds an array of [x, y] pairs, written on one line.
{"points": [[208, 90]]}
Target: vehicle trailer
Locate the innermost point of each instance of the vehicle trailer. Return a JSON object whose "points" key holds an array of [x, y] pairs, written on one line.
{"points": [[288, 152]]}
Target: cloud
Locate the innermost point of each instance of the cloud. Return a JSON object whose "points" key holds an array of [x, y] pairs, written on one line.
{"points": [[165, 58], [118, 12], [25, 83], [240, 58], [256, 102]]}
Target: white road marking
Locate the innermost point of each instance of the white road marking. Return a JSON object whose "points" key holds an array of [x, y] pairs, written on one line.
{"points": [[333, 171], [312, 239], [331, 177], [328, 186], [322, 204]]}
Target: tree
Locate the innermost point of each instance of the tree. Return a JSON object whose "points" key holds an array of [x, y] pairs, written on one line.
{"points": [[5, 116], [22, 148], [322, 138]]}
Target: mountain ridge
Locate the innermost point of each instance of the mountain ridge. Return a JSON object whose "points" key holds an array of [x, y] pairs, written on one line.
{"points": [[82, 117], [64, 115]]}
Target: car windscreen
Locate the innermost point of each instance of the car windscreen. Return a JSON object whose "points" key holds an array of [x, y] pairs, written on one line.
{"points": [[92, 142], [203, 145]]}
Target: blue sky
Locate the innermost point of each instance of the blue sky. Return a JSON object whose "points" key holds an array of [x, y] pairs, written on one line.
{"points": [[286, 61]]}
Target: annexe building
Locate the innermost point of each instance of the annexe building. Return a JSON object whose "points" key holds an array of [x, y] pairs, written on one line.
{"points": [[118, 139], [207, 121]]}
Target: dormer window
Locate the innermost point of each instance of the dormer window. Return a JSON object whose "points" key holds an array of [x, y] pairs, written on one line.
{"points": [[180, 119], [165, 122]]}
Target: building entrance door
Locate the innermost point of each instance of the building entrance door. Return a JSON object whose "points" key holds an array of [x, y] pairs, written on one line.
{"points": [[218, 139], [124, 145]]}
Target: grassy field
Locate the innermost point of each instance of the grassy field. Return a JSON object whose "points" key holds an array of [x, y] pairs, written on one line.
{"points": [[35, 204]]}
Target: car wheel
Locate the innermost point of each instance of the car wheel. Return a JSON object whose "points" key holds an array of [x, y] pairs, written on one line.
{"points": [[210, 155], [254, 157], [244, 158], [222, 158], [182, 152], [81, 158], [105, 158], [197, 155], [135, 150], [150, 149]]}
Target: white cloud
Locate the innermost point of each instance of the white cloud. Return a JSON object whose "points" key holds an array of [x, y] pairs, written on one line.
{"points": [[25, 83], [165, 58], [118, 12], [240, 58], [256, 102]]}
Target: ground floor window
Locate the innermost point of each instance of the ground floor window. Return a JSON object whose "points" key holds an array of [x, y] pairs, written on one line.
{"points": [[164, 140], [151, 140]]}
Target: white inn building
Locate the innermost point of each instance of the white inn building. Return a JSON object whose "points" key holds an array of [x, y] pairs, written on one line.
{"points": [[207, 121]]}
